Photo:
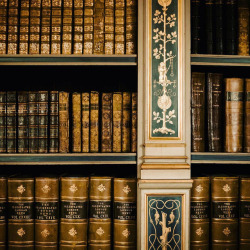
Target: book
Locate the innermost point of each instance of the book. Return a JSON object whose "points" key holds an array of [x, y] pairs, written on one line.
{"points": [[126, 121], [224, 222], [247, 117], [76, 123], [214, 111], [74, 212], [46, 212], [198, 112], [200, 213], [209, 26], [94, 121], [117, 122], [3, 26], [120, 27], [219, 27], [100, 193], [3, 109], [3, 212], [234, 91], [134, 124], [21, 213], [85, 122]]}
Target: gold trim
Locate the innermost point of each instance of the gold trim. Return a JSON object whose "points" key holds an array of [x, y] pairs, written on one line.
{"points": [[165, 157], [165, 166], [171, 145]]}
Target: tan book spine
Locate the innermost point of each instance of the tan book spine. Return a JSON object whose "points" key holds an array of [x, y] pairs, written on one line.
{"points": [[24, 27], [74, 213], [46, 212], [85, 122], [106, 144], [3, 26], [134, 124], [234, 115], [3, 118], [124, 229], [109, 27], [3, 212], [126, 121], [94, 121], [45, 26], [225, 191], [78, 27], [76, 118], [120, 27], [100, 194], [247, 117], [88, 34]]}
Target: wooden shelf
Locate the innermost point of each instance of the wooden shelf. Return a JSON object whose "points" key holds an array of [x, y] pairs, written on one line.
{"points": [[68, 159]]}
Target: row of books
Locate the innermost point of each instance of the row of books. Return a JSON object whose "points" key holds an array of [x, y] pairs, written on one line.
{"points": [[68, 212], [227, 225], [220, 27], [220, 113], [68, 26], [47, 121]]}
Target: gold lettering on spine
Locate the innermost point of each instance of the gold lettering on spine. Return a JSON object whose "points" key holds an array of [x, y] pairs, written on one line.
{"points": [[134, 124], [117, 122], [109, 27], [76, 118], [85, 122], [94, 122], [88, 34], [120, 27], [126, 122]]}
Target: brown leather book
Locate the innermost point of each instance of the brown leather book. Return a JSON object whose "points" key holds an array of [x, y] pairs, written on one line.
{"points": [[24, 27], [134, 124], [234, 114], [200, 214], [88, 34], [3, 26], [126, 122], [120, 27], [214, 111], [198, 112], [94, 121], [3, 110], [247, 117], [224, 228], [3, 212], [85, 122], [76, 123]]}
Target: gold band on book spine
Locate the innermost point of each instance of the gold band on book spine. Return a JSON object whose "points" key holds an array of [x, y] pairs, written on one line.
{"points": [[13, 26], [88, 34], [109, 27], [45, 26], [3, 211], [24, 27], [247, 118], [126, 121], [3, 26], [117, 122], [85, 122], [76, 118], [120, 27], [3, 122], [134, 124], [94, 121]]}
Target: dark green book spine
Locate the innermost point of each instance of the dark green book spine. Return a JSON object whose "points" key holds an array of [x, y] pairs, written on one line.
{"points": [[2, 122]]}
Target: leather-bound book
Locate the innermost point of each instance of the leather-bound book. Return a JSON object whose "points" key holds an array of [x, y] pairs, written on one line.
{"points": [[209, 26], [21, 213], [243, 27], [33, 122], [45, 26], [54, 122], [106, 142], [3, 26], [109, 27], [13, 23], [3, 134], [225, 213], [85, 122], [247, 117], [198, 112], [76, 120], [74, 213], [134, 124], [214, 111], [34, 35], [22, 122], [46, 212], [200, 213], [94, 121], [11, 121], [120, 27], [231, 47], [126, 122], [219, 27], [24, 27], [117, 122], [78, 27], [3, 212], [234, 115], [88, 33], [124, 229], [67, 27], [63, 122], [244, 222], [100, 193]]}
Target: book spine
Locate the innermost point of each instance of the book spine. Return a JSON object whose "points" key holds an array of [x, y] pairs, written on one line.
{"points": [[67, 27], [124, 215], [94, 121], [134, 124], [21, 213], [219, 27], [11, 122], [24, 27], [106, 123], [63, 122], [209, 24], [3, 212], [234, 114], [45, 26], [22, 122], [88, 34], [33, 122], [56, 27], [198, 112], [120, 27], [99, 235], [34, 39], [109, 27], [76, 118], [225, 216], [126, 121], [54, 122], [131, 27], [3, 135], [85, 122], [200, 214], [43, 123], [244, 221], [247, 117], [74, 212], [3, 26], [78, 27], [196, 26], [117, 122]]}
